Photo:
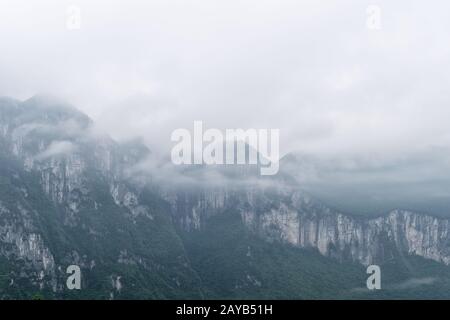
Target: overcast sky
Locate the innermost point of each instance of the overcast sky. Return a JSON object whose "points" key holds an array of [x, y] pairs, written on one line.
{"points": [[333, 86]]}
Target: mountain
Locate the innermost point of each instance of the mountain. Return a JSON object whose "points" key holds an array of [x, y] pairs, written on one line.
{"points": [[70, 195], [293, 217], [64, 200]]}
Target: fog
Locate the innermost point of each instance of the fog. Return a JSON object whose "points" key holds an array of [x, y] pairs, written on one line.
{"points": [[369, 105]]}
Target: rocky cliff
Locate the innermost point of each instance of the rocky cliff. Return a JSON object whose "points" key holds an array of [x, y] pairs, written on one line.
{"points": [[66, 197], [291, 216]]}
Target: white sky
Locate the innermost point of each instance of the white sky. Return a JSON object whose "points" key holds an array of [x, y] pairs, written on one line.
{"points": [[312, 69]]}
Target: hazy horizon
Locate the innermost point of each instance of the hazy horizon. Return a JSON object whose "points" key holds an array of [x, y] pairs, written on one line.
{"points": [[367, 108]]}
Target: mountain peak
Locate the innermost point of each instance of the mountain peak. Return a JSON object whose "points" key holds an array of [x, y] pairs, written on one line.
{"points": [[47, 108], [50, 102]]}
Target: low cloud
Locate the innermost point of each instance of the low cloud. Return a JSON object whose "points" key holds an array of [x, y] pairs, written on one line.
{"points": [[57, 148], [163, 172], [369, 106]]}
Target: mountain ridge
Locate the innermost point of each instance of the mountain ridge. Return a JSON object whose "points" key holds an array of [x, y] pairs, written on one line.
{"points": [[65, 203]]}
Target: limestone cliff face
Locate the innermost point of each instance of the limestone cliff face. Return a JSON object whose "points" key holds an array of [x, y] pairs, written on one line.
{"points": [[30, 246], [61, 144], [369, 241], [58, 147], [83, 176], [293, 217]]}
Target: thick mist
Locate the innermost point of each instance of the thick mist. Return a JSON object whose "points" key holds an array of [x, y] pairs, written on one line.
{"points": [[365, 108]]}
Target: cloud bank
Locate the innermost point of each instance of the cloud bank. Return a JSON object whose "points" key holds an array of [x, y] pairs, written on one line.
{"points": [[369, 106]]}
